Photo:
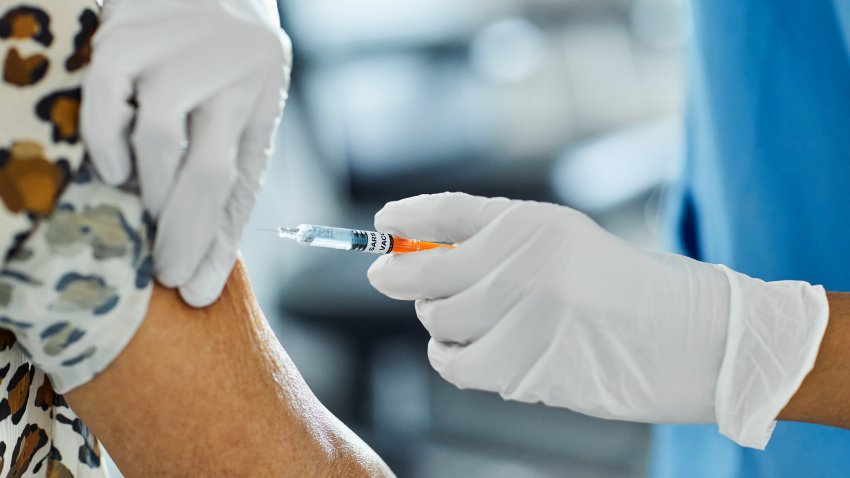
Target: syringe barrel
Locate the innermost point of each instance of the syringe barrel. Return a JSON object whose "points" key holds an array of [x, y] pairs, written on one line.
{"points": [[354, 239], [341, 238]]}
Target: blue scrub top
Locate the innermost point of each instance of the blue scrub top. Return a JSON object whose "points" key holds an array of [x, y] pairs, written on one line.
{"points": [[766, 191]]}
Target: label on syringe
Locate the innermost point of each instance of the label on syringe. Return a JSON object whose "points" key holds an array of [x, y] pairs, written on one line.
{"points": [[372, 242]]}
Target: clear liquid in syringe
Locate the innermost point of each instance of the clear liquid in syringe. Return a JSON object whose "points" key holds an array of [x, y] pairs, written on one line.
{"points": [[354, 239]]}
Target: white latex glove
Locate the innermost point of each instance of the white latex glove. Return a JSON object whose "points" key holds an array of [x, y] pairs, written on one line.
{"points": [[213, 72], [538, 303]]}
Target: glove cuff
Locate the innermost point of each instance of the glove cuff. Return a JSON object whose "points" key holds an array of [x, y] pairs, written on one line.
{"points": [[774, 333]]}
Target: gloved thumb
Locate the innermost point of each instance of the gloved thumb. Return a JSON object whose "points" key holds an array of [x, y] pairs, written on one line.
{"points": [[444, 217], [212, 275]]}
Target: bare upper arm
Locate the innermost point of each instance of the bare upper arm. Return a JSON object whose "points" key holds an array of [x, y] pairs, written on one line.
{"points": [[210, 392]]}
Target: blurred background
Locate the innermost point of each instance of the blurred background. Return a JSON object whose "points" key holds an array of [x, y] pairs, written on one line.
{"points": [[570, 101]]}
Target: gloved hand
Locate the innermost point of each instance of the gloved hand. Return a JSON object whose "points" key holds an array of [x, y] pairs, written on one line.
{"points": [[213, 72], [538, 303]]}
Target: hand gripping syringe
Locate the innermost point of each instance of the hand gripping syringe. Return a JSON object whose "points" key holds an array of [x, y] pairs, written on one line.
{"points": [[354, 239]]}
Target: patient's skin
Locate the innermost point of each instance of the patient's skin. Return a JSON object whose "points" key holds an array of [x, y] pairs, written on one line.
{"points": [[212, 393]]}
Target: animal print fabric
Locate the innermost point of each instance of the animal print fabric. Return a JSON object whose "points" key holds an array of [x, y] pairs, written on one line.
{"points": [[75, 263], [77, 271]]}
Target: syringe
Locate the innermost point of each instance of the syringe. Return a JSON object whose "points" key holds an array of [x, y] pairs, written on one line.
{"points": [[354, 239]]}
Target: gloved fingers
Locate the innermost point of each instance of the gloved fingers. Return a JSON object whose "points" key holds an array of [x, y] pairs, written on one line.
{"points": [[441, 355], [441, 273], [208, 282], [256, 143], [158, 138], [256, 146], [255, 149], [272, 97], [422, 275], [445, 217], [193, 213], [110, 85], [165, 103], [465, 317], [433, 274], [455, 364], [515, 358], [215, 267], [106, 116]]}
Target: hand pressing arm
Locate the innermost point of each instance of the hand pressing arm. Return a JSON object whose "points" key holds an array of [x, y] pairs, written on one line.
{"points": [[211, 392], [189, 93]]}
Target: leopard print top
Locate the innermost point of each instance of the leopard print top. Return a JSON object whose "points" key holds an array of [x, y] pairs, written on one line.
{"points": [[44, 188]]}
